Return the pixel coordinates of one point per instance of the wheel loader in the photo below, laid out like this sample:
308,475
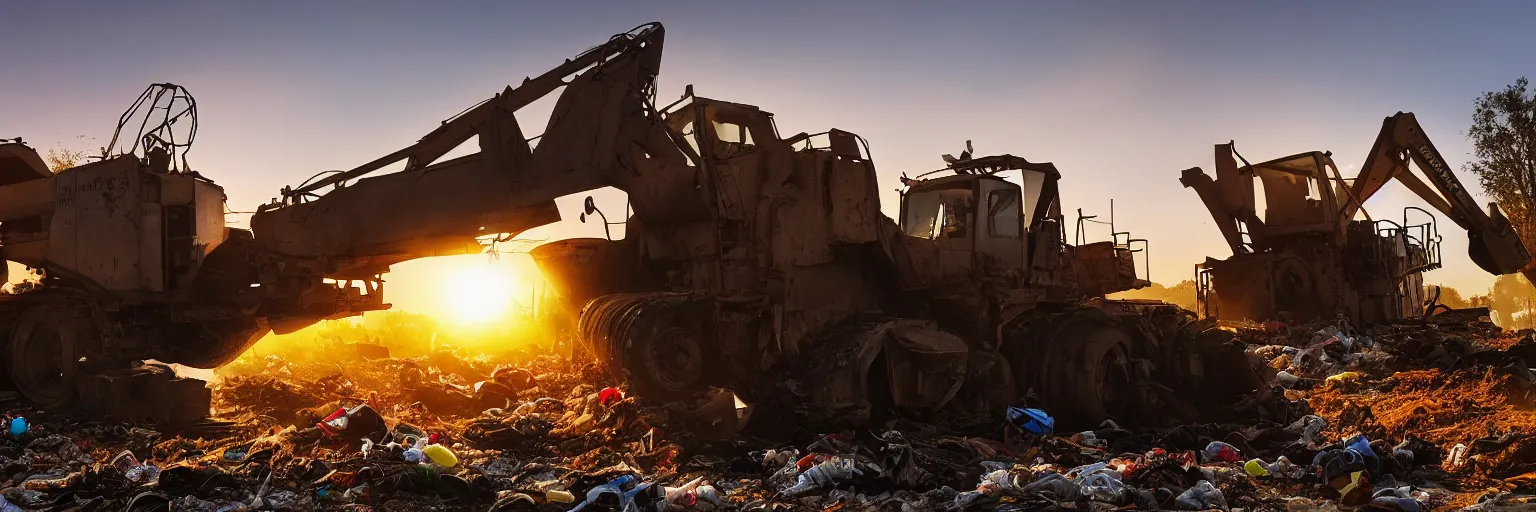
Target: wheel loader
751,260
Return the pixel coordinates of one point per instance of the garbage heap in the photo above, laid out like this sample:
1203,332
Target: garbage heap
1431,416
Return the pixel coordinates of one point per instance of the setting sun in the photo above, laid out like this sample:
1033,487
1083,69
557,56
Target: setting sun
479,292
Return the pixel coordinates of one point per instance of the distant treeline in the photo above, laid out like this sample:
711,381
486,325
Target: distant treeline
1511,300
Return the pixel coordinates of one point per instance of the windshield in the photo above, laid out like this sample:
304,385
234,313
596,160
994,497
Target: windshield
931,213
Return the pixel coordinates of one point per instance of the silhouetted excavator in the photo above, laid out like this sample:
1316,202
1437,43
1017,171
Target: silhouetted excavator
1306,256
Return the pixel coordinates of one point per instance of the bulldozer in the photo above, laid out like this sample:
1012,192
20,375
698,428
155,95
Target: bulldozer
750,260
1306,256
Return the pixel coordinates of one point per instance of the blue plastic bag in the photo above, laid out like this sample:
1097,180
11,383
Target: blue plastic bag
1035,421
1359,444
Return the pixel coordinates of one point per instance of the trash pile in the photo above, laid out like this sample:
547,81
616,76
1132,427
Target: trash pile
1401,418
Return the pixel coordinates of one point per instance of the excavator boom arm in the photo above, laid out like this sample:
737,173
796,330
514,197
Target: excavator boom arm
469,123
602,122
1492,241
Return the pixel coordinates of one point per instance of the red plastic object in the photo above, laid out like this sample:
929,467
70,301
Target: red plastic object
610,396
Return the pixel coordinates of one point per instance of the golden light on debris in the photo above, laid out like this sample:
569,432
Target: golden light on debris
480,292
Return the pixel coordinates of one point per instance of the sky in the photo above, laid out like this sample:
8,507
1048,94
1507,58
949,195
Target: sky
1121,96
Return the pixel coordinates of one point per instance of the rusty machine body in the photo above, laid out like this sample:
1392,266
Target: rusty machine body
751,260
128,248
1308,257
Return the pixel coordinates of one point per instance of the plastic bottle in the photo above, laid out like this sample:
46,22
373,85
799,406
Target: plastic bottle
1283,467
1218,451
704,492
1286,379
559,496
826,474
683,494
1203,496
1309,427
440,455
133,470
1458,455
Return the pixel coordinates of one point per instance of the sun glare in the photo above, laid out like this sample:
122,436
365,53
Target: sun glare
481,292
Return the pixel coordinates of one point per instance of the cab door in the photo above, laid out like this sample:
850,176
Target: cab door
1000,223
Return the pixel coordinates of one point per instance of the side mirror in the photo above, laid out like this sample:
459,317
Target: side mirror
589,206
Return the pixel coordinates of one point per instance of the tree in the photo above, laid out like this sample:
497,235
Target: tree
60,159
1510,301
1181,294
1504,137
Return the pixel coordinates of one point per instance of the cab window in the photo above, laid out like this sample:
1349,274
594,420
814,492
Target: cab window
1003,213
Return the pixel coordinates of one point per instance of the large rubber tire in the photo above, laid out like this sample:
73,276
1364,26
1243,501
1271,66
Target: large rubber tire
667,363
647,340
43,354
1090,379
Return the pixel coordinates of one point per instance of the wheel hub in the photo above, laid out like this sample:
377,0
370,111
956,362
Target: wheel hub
675,359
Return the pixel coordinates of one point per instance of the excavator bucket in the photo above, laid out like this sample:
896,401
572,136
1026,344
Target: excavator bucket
1499,250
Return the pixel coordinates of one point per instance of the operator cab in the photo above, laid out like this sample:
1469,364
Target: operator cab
1297,196
984,214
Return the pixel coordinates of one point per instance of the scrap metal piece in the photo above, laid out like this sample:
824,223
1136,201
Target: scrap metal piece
148,392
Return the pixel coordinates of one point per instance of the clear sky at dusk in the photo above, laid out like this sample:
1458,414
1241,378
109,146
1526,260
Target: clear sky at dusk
1121,96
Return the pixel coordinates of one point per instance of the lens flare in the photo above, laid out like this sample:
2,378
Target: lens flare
479,293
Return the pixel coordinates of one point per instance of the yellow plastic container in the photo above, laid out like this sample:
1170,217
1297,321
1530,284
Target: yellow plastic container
1256,467
440,455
